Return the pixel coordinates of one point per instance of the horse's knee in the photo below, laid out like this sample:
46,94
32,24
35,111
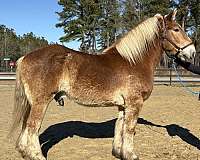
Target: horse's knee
131,117
130,122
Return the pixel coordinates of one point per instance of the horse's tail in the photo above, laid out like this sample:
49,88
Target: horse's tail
21,104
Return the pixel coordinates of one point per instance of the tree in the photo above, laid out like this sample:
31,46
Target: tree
101,22
109,23
79,20
151,7
8,41
28,42
12,45
130,14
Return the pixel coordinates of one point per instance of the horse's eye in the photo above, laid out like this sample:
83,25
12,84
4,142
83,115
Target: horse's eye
176,29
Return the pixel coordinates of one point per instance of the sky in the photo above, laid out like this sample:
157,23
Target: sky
37,16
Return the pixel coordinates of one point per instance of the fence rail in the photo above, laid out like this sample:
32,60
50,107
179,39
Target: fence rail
7,73
162,75
168,75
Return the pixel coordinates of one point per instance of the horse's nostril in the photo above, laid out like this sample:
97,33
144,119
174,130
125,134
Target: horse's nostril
193,54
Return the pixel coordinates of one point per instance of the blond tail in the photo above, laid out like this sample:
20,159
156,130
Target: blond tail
21,105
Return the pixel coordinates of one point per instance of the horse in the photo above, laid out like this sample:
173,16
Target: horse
121,76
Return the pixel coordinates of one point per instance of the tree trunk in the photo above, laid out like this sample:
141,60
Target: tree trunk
108,39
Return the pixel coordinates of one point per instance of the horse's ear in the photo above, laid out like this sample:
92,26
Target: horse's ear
159,16
161,20
171,16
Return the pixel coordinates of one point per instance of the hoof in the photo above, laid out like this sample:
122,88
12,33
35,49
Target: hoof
129,156
116,152
135,157
28,155
34,157
124,156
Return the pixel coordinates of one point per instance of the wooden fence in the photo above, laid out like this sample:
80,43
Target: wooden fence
162,76
168,75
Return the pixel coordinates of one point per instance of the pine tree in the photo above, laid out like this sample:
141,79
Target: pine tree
101,22
130,14
79,20
109,23
14,46
151,7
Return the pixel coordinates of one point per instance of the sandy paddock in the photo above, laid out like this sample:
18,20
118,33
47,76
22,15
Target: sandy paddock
168,129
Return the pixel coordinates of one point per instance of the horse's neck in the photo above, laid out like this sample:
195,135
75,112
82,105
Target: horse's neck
151,60
156,53
148,64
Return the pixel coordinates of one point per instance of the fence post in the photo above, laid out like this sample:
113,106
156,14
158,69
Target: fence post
199,96
170,71
170,76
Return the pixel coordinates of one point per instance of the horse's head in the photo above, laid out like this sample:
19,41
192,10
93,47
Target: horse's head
175,40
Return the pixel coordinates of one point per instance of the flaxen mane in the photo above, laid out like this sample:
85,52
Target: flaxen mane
135,44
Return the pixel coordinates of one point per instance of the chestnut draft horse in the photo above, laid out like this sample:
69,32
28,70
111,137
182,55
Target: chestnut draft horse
121,76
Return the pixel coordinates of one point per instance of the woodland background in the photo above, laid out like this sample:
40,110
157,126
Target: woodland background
96,24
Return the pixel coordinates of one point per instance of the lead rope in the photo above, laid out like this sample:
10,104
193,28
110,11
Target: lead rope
182,83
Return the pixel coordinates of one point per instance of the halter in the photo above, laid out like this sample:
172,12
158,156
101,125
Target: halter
179,49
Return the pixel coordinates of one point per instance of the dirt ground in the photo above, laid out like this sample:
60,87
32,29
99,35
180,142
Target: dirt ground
168,129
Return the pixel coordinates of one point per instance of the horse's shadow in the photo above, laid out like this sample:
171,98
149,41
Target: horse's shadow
57,132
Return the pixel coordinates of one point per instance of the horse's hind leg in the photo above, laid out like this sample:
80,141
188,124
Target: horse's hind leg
117,142
28,143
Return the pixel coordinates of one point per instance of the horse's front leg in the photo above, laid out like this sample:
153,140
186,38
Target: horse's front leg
117,141
130,121
28,143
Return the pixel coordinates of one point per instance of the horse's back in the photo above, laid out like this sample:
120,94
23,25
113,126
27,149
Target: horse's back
47,67
50,57
47,53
